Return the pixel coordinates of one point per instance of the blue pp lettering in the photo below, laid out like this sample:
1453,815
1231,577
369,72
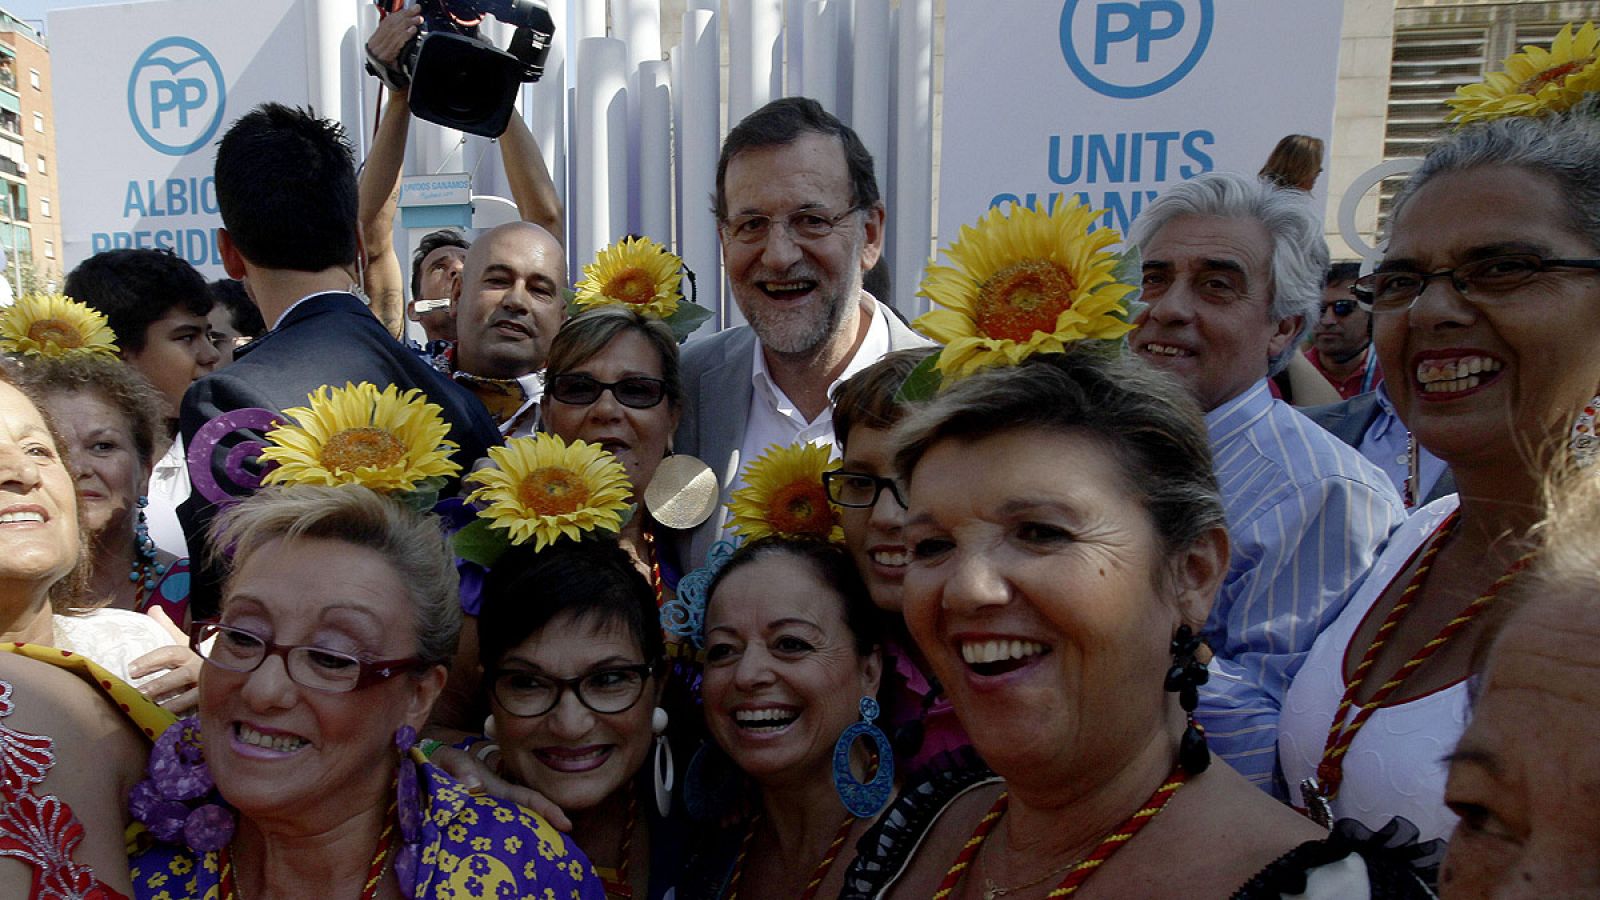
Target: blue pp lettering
1097,48
1138,24
177,96
181,96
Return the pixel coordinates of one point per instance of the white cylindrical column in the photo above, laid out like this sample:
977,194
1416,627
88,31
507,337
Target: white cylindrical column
600,170
588,20
845,16
638,22
697,162
794,21
869,83
331,64
654,189
911,216
755,56
819,64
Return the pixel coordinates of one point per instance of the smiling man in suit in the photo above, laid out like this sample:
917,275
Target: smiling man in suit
800,220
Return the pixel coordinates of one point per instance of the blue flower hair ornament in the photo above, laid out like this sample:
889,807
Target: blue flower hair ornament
684,616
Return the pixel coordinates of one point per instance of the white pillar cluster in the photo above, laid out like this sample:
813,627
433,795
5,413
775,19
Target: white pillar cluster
631,128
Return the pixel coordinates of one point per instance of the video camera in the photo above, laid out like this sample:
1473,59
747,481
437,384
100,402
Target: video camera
456,78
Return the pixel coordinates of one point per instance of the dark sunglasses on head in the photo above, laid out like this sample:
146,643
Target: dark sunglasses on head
1341,308
634,392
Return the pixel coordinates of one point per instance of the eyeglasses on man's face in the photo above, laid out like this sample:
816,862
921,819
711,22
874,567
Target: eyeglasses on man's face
609,690
318,668
802,225
1481,281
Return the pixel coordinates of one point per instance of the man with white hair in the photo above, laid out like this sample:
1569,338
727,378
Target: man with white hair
1233,271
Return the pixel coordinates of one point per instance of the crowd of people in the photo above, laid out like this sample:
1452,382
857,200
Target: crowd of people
1049,592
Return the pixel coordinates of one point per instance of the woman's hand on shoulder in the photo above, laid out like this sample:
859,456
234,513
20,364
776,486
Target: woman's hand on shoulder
478,775
178,690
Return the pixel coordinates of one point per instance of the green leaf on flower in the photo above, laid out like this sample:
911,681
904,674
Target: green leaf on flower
480,543
687,318
923,382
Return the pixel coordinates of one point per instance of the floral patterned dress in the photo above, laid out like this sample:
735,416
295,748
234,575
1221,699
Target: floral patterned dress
473,846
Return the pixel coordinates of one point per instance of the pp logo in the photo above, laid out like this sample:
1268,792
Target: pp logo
1134,48
176,96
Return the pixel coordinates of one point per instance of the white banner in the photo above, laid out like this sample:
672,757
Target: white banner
1111,100
143,92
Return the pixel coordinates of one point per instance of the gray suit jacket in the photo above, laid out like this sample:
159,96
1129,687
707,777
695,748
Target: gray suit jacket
717,391
1349,420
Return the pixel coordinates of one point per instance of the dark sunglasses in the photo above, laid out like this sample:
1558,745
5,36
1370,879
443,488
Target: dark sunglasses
634,392
1341,308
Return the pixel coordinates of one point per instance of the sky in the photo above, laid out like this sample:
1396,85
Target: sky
33,11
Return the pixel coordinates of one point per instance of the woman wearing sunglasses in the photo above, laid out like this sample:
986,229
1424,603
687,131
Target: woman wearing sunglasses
1486,315
612,380
573,660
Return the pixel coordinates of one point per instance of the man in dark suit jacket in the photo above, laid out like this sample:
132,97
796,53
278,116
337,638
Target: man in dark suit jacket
286,187
1367,423
801,221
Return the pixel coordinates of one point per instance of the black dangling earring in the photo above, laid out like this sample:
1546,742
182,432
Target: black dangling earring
1184,679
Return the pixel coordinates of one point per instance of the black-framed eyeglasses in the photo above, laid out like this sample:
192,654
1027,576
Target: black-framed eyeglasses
802,225
859,490
1340,308
613,689
1481,280
318,668
634,392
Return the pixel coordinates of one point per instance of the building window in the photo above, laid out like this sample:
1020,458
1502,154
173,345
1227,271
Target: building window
33,78
41,165
49,249
44,207
38,122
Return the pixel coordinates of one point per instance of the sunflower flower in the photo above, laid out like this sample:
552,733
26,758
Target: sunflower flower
54,325
1024,283
784,495
544,488
384,440
1535,81
636,273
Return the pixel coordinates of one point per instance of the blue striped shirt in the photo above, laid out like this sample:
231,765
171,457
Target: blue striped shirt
1307,516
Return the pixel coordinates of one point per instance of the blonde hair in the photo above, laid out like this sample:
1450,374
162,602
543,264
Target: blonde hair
411,542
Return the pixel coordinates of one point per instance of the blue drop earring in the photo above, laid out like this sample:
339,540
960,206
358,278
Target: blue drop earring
864,800
146,571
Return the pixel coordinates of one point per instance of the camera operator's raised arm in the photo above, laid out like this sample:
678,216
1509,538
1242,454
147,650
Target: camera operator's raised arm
531,186
380,177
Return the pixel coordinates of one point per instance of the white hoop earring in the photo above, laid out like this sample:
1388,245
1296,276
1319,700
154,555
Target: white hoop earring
664,776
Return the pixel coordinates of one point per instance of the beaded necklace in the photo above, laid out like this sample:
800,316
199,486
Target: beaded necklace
229,889
1320,791
1080,870
615,881
817,874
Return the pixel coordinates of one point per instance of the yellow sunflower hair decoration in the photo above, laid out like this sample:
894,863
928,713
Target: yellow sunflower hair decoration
635,272
357,434
1024,282
641,275
1535,81
544,489
784,495
53,326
